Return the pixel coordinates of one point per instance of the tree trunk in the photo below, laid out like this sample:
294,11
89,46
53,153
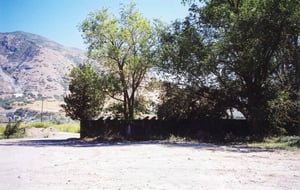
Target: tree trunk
82,129
125,107
131,107
297,62
257,114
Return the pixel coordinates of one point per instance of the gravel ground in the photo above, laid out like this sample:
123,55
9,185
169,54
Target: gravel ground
63,163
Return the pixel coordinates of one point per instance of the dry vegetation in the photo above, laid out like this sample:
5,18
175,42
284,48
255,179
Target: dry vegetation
48,105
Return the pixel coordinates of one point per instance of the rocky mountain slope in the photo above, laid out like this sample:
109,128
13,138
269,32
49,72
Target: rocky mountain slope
33,66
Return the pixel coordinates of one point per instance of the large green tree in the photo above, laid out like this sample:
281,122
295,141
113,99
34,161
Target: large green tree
86,97
124,46
238,52
185,103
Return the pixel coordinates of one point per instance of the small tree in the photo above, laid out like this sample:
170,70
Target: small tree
12,128
125,48
86,98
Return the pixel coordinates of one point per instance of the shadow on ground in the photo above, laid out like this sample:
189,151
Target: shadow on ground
76,142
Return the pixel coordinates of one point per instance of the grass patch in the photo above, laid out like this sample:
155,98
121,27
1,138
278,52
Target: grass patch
282,143
37,125
2,129
11,130
69,127
174,138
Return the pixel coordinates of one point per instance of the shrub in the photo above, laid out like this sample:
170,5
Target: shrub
289,141
281,142
5,104
11,129
284,114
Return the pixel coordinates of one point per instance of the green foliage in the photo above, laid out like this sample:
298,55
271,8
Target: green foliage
116,110
124,47
16,130
5,104
284,114
186,103
154,84
38,125
290,141
11,129
237,52
20,112
176,139
86,97
67,127
282,142
140,108
2,129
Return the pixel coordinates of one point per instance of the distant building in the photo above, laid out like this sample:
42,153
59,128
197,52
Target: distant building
18,95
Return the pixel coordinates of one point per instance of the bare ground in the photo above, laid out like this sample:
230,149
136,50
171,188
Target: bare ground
57,163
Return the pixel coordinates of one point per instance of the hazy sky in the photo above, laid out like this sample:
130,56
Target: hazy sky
58,20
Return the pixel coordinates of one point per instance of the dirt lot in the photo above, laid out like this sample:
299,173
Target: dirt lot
70,164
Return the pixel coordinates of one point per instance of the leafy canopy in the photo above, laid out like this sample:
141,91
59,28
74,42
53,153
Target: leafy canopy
237,51
86,96
124,46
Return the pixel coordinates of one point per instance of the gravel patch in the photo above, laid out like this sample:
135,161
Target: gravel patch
35,132
65,162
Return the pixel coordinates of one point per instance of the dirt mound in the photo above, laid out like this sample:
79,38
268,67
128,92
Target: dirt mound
35,132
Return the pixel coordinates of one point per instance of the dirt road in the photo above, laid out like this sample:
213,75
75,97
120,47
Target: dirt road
69,164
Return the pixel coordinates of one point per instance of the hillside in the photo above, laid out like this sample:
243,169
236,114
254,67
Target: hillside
33,66
33,77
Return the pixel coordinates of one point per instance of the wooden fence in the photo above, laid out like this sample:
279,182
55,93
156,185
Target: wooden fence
146,129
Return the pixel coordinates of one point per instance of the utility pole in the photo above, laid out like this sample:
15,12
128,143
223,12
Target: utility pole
42,109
